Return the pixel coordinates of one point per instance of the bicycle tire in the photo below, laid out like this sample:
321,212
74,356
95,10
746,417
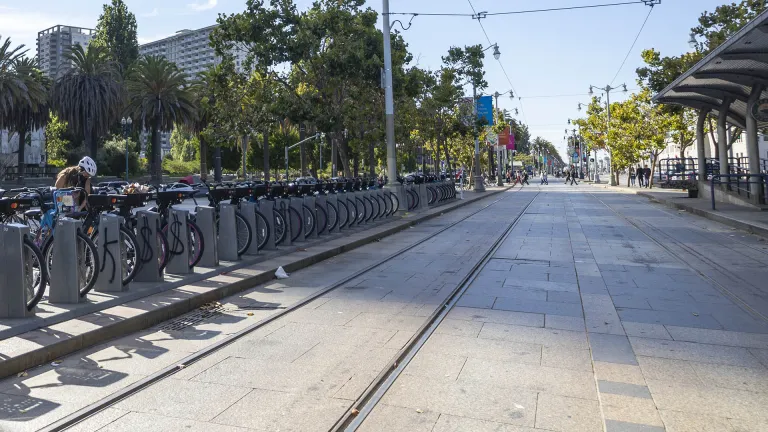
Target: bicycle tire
322,219
310,220
343,222
432,196
352,208
39,281
196,243
129,253
295,221
90,254
262,230
333,217
360,215
244,233
162,247
280,229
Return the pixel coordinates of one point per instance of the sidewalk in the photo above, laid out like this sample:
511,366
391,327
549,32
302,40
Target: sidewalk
743,218
39,340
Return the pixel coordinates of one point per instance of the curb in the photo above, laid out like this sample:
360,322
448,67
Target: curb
162,306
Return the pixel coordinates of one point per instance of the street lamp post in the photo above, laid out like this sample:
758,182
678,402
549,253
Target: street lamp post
126,123
317,135
607,89
500,168
479,186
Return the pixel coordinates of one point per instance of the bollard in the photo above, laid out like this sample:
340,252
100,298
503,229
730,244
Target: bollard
295,203
13,272
150,248
65,278
109,248
248,210
206,220
266,207
423,196
178,242
321,201
310,202
333,200
284,205
227,233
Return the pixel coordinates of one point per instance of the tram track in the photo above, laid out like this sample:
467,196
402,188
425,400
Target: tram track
95,408
692,251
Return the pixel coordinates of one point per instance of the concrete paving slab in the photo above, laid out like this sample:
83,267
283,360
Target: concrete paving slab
694,352
612,349
719,337
436,366
386,321
542,307
98,421
483,348
679,421
619,373
710,400
559,413
653,331
497,316
564,322
620,426
460,327
466,399
450,423
566,357
624,389
155,423
193,400
534,335
397,419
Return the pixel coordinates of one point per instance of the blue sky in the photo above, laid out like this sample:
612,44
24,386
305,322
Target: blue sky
553,53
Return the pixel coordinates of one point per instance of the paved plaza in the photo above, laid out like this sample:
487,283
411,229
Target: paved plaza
599,311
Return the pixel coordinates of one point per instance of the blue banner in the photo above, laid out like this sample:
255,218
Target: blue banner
485,108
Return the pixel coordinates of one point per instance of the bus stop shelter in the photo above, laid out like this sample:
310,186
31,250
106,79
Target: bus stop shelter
731,83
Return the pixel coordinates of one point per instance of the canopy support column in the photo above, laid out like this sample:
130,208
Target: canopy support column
722,136
753,150
700,150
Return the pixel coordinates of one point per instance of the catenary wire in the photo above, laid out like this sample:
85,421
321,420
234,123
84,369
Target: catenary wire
633,45
565,8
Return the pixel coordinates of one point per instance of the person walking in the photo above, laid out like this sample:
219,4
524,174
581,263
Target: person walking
572,174
640,175
632,176
544,178
647,174
525,178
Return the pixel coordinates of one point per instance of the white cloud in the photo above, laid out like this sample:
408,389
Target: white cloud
152,14
203,6
22,27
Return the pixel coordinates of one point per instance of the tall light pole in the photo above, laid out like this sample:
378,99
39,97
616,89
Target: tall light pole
389,104
500,168
126,123
479,186
607,89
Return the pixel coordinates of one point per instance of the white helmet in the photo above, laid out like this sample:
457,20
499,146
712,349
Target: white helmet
88,165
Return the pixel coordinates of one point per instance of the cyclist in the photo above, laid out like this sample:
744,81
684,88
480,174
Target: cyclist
78,177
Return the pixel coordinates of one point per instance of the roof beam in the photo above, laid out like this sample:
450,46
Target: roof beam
743,78
714,91
758,56
703,104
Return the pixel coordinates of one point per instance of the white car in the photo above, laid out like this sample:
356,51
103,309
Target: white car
180,187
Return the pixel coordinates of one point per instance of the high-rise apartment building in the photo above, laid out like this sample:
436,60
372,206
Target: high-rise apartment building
192,53
54,42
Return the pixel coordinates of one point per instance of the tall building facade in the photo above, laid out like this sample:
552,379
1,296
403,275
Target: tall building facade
54,42
192,53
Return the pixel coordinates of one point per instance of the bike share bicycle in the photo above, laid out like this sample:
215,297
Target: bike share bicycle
171,226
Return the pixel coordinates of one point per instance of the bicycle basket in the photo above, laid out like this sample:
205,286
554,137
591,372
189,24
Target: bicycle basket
137,199
243,192
64,200
14,205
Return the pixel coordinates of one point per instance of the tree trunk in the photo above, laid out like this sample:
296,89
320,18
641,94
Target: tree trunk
356,164
217,163
654,156
448,166
245,157
203,159
265,144
343,151
157,159
21,163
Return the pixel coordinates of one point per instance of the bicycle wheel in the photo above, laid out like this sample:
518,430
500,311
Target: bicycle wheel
352,207
37,273
322,219
280,228
295,223
244,233
361,215
309,220
163,250
333,217
343,214
196,244
262,230
432,196
129,253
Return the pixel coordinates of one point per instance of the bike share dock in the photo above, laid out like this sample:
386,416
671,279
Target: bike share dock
58,329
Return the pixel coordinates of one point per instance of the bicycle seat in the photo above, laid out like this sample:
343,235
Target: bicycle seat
33,214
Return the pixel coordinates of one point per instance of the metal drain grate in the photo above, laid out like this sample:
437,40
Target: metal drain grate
206,311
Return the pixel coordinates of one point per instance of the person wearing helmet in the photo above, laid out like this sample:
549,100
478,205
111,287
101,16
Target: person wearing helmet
78,177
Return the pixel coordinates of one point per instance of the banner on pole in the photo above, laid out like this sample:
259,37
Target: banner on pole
485,109
511,144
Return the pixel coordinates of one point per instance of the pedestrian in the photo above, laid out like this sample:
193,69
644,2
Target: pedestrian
572,173
544,178
632,176
525,178
647,173
640,176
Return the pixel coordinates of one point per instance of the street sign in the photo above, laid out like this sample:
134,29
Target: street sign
485,108
491,136
511,145
504,137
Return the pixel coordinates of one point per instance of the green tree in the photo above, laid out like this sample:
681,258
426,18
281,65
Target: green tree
12,87
32,111
57,143
88,96
715,27
116,32
184,147
158,95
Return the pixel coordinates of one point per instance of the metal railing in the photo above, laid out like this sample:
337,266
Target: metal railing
672,170
742,185
11,173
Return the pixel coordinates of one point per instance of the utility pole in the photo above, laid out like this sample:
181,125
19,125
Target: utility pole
607,89
479,186
389,104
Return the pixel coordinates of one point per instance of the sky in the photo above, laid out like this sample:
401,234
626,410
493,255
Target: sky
551,58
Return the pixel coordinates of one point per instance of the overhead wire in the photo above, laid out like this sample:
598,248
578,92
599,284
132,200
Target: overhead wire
484,14
633,44
512,86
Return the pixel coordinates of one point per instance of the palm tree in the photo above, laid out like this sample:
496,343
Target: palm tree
34,112
159,94
205,101
13,90
89,94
